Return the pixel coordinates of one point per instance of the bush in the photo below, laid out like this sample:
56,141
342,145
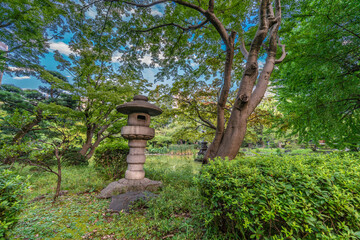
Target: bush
110,159
184,149
273,197
72,157
12,189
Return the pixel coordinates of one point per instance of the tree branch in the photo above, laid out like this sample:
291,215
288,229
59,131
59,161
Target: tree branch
141,5
243,50
265,74
176,25
203,119
211,6
190,5
344,28
283,54
6,24
201,123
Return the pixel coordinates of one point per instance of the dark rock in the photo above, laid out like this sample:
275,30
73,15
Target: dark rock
123,202
125,185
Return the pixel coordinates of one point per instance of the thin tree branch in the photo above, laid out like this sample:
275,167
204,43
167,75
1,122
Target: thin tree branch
141,5
344,28
211,6
190,5
201,123
176,25
283,54
6,24
243,50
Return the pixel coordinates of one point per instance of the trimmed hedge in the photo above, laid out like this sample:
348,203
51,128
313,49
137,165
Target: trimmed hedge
290,197
12,190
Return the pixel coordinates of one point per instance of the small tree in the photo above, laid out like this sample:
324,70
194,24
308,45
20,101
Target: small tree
39,150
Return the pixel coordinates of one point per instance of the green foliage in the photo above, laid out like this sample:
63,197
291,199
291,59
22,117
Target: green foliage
110,159
12,190
288,197
72,157
26,28
318,83
182,149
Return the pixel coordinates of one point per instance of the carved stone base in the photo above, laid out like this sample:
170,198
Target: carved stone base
125,185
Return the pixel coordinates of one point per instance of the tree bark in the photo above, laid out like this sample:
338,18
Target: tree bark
58,185
214,146
93,148
88,142
88,145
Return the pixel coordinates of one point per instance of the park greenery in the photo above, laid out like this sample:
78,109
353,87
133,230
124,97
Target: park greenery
272,86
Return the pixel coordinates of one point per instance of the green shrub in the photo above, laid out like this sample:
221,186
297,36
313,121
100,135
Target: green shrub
290,197
174,149
72,157
110,159
12,189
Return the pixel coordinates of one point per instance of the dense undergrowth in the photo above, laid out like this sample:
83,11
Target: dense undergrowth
274,197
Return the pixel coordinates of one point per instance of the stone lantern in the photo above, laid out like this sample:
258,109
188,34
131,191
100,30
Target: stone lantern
137,132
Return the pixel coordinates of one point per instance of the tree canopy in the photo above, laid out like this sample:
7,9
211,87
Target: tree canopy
318,84
26,28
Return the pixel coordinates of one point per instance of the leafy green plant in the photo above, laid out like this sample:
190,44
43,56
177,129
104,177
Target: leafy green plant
73,158
12,189
273,197
110,159
184,149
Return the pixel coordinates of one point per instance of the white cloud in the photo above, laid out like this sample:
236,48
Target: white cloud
3,46
116,57
20,78
16,69
147,59
91,13
62,47
155,12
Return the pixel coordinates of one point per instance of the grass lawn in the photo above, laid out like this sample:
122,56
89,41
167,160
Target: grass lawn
80,215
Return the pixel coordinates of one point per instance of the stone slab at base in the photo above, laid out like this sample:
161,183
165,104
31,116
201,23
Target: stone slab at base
123,202
125,185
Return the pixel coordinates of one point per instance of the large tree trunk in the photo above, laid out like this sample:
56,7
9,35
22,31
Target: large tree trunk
228,143
233,137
